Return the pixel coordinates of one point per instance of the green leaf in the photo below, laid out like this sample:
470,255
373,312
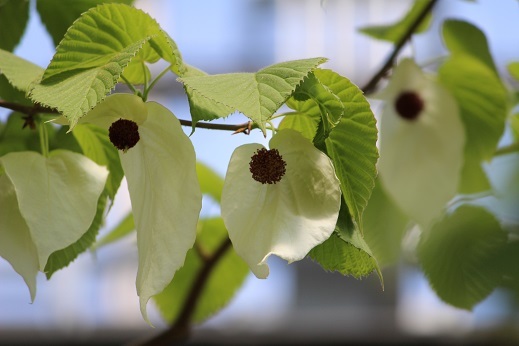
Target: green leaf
92,56
346,251
14,15
62,258
96,145
16,138
330,105
58,18
302,122
11,94
210,182
458,256
471,77
19,72
394,32
224,280
125,227
57,196
513,69
384,226
351,144
256,95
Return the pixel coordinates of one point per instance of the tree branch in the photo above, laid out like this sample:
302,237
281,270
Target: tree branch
180,330
373,82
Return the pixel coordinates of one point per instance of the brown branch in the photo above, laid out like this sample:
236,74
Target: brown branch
180,330
373,82
31,110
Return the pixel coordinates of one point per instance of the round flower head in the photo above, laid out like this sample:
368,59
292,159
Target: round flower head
159,163
421,143
283,201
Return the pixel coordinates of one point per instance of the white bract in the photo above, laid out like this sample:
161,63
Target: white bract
421,143
46,204
287,218
163,185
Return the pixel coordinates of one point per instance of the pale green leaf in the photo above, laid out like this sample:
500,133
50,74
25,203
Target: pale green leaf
384,226
19,72
394,32
224,280
96,145
64,257
14,15
458,256
57,196
123,228
351,144
58,17
11,94
513,69
165,194
210,182
16,245
303,122
256,95
471,77
92,56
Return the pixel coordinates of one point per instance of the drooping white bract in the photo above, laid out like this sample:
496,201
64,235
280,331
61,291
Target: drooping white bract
163,185
287,218
421,143
46,204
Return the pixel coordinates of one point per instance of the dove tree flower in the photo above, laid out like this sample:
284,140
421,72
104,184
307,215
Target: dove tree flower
159,163
283,201
421,143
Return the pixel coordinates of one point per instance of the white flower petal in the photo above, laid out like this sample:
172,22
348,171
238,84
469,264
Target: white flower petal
115,107
421,159
286,219
166,199
57,196
16,245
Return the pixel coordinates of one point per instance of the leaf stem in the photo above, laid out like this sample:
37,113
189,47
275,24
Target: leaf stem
373,82
180,330
509,149
153,82
131,86
44,138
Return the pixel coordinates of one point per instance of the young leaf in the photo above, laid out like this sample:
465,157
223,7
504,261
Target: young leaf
96,145
302,122
92,56
58,18
64,257
257,95
14,15
16,245
19,72
57,196
471,77
351,144
458,256
223,281
394,32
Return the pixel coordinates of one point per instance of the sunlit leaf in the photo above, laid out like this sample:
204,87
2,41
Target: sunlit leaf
256,95
57,18
351,144
458,256
19,72
222,283
302,122
92,56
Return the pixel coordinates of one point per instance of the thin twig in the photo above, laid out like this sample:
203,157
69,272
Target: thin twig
373,82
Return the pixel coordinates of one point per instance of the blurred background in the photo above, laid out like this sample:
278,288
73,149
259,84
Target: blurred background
94,300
